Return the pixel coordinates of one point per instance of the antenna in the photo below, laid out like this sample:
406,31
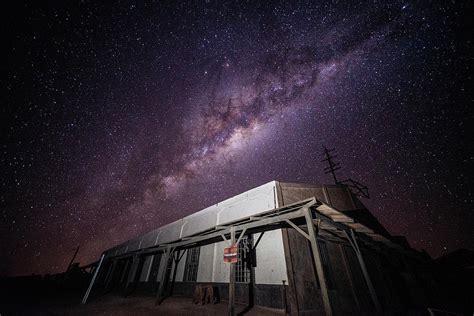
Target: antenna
357,188
333,166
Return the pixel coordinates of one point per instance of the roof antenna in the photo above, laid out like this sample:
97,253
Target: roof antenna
357,188
333,166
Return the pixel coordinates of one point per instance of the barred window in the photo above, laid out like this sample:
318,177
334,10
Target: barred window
242,273
192,263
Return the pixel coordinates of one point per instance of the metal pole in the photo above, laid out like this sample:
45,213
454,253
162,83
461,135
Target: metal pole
232,277
317,261
86,296
353,241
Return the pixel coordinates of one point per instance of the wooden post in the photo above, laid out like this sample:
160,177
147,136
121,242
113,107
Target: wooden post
131,276
168,253
109,275
353,241
136,277
232,277
317,261
176,259
86,296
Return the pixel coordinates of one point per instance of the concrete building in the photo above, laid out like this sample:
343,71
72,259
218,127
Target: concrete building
303,248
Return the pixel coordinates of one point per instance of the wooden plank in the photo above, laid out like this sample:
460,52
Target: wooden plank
360,228
323,208
341,219
89,289
317,261
232,278
292,293
351,237
168,254
260,223
299,230
241,235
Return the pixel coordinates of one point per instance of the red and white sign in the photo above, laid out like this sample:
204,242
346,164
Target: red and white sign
230,254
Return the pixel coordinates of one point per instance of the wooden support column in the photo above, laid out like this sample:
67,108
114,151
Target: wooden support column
110,274
136,277
86,296
167,255
131,276
317,260
232,277
125,271
176,260
353,241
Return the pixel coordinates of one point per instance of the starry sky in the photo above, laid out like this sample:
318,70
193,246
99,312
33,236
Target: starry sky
120,117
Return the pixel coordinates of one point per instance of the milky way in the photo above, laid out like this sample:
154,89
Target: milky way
122,118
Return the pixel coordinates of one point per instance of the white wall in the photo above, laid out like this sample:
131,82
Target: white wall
206,256
254,201
271,264
146,268
271,267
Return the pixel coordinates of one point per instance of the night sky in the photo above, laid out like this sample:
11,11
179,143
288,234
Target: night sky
119,118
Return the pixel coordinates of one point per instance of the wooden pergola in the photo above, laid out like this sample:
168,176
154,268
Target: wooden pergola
311,214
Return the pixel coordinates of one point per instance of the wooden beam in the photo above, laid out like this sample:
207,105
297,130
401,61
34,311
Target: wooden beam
299,230
132,273
341,219
272,217
176,260
353,241
260,223
232,278
168,253
258,240
241,235
111,274
317,261
89,289
225,239
136,277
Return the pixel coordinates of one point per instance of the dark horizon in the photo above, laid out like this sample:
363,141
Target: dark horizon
117,119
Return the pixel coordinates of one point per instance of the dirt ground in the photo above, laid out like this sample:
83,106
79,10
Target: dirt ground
133,305
136,305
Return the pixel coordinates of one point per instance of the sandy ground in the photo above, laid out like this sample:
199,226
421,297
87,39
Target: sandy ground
136,305
133,305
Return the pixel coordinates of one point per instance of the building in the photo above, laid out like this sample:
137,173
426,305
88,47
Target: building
303,248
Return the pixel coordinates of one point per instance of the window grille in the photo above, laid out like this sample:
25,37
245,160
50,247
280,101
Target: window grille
243,265
192,263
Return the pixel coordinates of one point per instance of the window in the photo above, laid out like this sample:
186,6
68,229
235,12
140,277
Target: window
242,273
192,263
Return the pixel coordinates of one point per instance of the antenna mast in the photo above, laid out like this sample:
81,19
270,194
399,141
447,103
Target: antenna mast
356,187
333,166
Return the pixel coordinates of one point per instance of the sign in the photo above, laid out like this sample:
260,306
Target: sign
230,254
